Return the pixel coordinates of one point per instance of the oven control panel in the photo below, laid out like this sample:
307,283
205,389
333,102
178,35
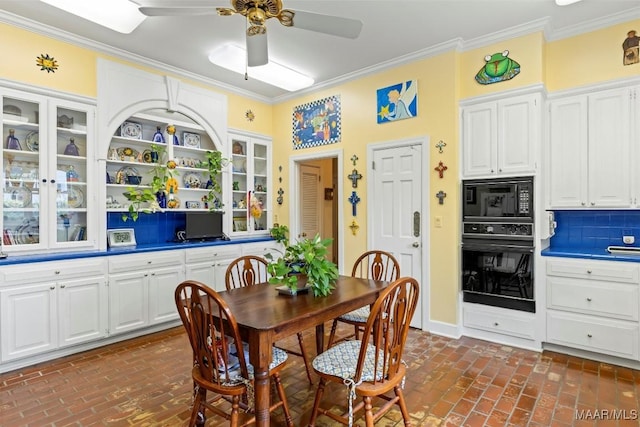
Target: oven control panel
477,229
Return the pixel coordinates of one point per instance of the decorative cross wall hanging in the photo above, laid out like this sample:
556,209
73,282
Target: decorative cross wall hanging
354,199
440,145
354,177
440,169
354,227
280,199
354,158
441,195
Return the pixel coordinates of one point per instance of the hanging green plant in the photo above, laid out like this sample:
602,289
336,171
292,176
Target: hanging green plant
214,164
145,199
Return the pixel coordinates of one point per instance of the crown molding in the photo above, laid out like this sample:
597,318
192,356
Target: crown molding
544,25
432,51
49,31
595,24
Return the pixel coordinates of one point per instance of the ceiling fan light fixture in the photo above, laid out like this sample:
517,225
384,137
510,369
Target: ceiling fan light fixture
122,16
234,58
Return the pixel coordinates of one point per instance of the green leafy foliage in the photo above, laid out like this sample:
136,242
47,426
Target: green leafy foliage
304,257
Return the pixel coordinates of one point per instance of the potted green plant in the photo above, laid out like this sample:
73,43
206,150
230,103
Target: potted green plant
145,199
305,257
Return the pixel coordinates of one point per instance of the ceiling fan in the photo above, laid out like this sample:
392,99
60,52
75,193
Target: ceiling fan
257,12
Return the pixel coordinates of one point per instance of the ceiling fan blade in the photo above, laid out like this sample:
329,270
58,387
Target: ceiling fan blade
257,50
327,24
177,11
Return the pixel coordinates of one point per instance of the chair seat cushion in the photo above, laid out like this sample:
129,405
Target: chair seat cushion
359,315
341,361
278,357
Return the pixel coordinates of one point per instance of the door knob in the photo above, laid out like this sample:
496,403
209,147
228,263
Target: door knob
416,245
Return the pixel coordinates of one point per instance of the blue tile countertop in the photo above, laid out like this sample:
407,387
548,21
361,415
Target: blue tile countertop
588,253
25,259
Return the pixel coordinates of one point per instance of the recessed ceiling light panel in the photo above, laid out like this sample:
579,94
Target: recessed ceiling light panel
234,58
122,16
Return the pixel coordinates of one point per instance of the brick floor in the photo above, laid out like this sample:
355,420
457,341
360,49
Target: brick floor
466,382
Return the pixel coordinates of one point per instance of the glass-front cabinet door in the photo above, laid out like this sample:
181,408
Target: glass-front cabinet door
251,184
45,190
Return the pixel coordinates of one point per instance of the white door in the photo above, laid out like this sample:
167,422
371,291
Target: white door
395,210
309,201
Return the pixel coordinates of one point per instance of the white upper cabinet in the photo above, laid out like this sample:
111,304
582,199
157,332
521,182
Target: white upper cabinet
590,150
501,137
250,183
48,167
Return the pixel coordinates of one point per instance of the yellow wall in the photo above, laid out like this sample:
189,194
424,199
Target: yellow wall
76,74
437,118
589,58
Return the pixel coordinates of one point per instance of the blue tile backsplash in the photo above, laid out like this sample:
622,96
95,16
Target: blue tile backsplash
150,228
594,229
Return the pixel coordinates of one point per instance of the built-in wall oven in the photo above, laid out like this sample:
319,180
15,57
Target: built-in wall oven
498,243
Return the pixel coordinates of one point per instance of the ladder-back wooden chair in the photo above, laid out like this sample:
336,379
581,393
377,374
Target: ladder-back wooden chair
249,270
371,367
376,265
219,364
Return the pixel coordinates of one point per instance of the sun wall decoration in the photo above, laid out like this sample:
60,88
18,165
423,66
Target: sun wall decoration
47,63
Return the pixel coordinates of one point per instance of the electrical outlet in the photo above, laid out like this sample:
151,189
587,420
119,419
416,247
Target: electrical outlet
628,240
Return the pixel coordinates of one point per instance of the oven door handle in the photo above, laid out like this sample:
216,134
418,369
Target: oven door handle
492,246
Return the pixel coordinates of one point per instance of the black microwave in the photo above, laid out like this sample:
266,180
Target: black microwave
498,199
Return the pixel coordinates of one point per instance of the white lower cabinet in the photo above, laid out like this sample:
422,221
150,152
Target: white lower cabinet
209,265
593,306
57,309
500,321
141,289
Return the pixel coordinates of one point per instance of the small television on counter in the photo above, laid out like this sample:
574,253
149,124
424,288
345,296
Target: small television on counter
203,226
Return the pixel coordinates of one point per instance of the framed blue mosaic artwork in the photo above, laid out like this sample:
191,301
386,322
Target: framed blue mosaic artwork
397,102
317,123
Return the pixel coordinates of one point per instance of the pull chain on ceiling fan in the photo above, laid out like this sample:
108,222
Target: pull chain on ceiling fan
257,12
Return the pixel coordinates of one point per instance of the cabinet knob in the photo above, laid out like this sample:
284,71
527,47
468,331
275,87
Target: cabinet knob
44,180
63,286
499,170
56,272
593,203
53,181
496,324
153,274
589,335
146,274
52,287
588,299
588,271
492,171
149,262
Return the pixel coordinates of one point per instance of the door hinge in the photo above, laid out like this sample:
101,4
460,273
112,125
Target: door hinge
373,165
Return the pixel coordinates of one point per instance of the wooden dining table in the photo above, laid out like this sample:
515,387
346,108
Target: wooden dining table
265,316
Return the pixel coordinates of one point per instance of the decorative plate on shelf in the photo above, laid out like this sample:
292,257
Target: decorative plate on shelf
32,141
75,197
128,154
124,172
191,140
17,197
131,130
146,156
191,180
